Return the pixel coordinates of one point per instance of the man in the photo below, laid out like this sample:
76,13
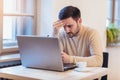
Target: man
78,43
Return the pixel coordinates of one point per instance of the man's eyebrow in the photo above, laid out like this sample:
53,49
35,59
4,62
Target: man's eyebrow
69,25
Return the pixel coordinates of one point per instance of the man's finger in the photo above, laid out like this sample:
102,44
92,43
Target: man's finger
58,24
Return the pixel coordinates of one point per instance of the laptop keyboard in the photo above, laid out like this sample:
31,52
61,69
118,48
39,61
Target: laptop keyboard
69,66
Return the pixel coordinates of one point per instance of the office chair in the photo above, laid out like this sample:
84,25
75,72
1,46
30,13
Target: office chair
105,63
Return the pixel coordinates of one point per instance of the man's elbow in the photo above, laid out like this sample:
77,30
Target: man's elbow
99,61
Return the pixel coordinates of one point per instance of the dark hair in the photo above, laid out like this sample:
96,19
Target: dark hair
69,11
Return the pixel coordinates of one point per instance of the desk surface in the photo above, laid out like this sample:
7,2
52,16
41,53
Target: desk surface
22,73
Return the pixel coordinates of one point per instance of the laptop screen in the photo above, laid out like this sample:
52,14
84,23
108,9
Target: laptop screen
40,52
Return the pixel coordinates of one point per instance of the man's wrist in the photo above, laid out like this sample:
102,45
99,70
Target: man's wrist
71,59
55,32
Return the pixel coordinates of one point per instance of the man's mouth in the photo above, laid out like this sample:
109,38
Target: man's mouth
70,34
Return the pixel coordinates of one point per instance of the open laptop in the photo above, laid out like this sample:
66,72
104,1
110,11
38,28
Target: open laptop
41,52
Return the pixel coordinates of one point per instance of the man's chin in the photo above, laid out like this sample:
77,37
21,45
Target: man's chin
70,35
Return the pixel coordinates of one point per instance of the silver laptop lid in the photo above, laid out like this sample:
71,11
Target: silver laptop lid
40,52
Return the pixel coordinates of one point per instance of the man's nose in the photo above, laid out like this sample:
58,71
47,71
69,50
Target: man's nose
67,30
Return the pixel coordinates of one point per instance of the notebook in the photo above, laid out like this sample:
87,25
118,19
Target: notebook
42,53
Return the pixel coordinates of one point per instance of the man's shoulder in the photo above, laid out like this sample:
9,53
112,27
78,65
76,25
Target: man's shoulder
89,29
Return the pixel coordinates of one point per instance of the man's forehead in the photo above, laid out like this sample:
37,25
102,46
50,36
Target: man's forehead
68,21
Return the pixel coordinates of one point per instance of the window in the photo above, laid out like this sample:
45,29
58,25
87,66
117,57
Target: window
113,12
17,17
113,30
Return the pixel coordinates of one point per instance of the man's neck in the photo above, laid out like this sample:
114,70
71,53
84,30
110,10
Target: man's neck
78,30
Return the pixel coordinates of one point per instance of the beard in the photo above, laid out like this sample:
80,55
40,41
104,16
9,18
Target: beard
72,34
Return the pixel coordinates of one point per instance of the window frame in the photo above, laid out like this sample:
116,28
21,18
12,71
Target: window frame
113,19
113,11
34,15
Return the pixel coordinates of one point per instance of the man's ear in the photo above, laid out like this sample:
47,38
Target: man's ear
80,20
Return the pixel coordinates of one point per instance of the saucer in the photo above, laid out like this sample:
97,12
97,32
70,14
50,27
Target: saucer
82,69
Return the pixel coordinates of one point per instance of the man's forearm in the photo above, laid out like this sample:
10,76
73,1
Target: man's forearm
92,61
55,32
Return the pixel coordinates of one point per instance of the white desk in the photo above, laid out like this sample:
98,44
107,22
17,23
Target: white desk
22,73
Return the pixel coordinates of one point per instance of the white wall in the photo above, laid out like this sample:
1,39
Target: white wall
93,12
114,64
44,17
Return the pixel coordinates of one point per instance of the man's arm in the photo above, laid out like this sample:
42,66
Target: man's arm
96,58
56,27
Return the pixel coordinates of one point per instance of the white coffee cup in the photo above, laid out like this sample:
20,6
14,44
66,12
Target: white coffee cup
81,64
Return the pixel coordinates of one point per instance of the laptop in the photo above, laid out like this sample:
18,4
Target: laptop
41,53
